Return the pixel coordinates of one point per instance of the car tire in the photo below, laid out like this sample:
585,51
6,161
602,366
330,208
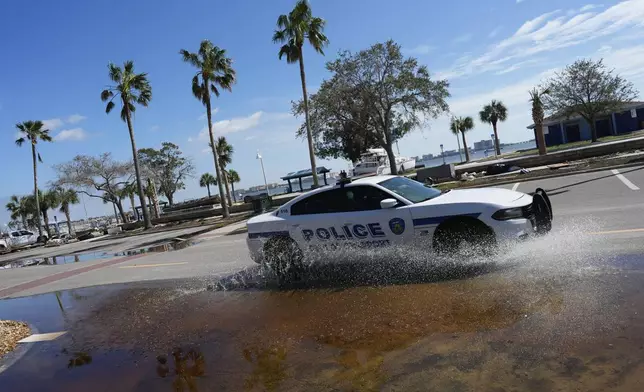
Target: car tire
542,212
284,257
469,236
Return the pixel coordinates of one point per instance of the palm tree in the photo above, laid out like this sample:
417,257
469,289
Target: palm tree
215,72
206,180
129,190
462,125
492,113
33,131
292,30
19,209
537,118
131,88
67,198
233,177
225,152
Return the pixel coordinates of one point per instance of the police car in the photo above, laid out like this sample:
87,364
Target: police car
383,211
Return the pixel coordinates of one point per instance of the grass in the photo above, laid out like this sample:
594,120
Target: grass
562,147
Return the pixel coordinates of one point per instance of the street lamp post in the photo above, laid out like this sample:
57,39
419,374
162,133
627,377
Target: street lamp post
261,161
443,154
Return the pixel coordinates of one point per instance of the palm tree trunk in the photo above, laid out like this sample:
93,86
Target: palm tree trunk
132,203
467,152
460,154
309,134
230,199
541,140
139,185
496,140
232,185
33,156
224,206
70,230
208,186
45,217
119,205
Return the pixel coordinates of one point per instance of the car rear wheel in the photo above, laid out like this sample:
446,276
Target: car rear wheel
284,257
464,237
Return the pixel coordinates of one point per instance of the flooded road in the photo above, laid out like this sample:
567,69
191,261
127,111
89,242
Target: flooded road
495,326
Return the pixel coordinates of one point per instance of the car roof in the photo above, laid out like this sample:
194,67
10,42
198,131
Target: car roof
371,180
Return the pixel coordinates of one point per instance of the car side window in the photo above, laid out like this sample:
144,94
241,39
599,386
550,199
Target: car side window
320,203
349,199
361,198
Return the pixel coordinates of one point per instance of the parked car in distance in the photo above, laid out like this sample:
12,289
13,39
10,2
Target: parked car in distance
23,238
5,245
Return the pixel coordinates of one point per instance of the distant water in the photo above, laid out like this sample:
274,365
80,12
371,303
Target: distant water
477,154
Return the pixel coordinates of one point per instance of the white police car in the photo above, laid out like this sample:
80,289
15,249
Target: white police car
389,210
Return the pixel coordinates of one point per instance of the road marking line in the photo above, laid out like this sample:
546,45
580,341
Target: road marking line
625,180
617,231
515,186
152,265
42,337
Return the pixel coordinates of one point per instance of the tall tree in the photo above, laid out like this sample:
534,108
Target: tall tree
33,131
588,89
292,31
48,200
396,93
132,88
169,168
214,72
96,177
233,177
462,125
341,124
536,98
492,113
225,152
67,197
206,180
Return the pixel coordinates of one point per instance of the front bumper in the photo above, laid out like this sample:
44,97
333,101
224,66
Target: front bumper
514,229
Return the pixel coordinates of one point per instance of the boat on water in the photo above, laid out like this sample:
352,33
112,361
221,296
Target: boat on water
375,161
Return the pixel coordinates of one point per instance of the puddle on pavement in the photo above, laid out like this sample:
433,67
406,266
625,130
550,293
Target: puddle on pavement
470,329
92,256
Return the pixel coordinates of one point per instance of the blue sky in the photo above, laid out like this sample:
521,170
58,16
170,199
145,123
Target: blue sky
497,49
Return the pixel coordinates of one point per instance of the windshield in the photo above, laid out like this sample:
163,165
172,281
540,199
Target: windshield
411,190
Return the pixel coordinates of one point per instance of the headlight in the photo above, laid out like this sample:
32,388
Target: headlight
510,213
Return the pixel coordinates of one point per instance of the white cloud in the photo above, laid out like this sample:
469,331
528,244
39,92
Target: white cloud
190,139
495,32
462,38
247,138
552,31
236,124
520,1
53,123
154,128
590,7
212,114
75,118
75,134
419,50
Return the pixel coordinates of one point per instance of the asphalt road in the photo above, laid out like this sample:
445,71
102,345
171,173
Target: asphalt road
602,208
560,312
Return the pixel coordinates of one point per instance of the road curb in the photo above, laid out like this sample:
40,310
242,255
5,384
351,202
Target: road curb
554,175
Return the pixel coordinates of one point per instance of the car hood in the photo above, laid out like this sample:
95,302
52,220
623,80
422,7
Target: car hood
490,196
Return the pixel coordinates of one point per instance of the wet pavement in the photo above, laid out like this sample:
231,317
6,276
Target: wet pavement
517,322
165,246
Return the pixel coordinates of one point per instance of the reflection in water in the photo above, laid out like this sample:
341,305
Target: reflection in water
187,366
269,367
79,359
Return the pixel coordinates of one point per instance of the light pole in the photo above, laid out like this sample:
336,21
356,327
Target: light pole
443,154
261,161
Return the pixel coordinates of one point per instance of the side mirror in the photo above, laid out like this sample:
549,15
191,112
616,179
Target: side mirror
388,203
